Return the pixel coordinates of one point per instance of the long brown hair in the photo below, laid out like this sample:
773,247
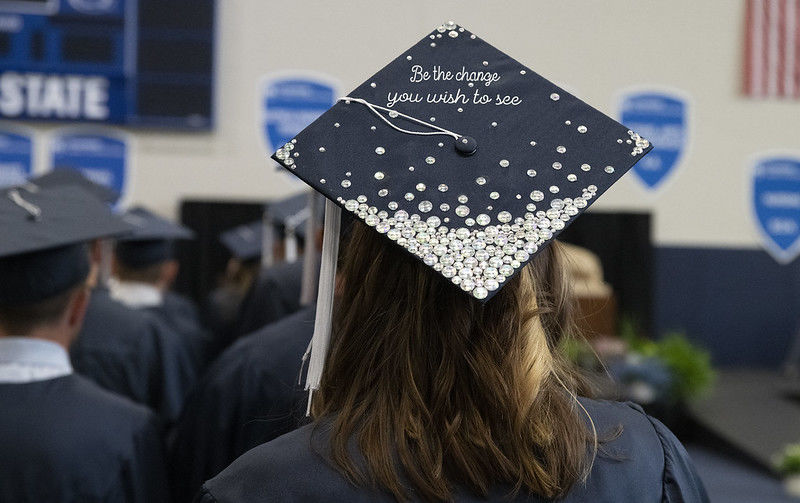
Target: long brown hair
441,391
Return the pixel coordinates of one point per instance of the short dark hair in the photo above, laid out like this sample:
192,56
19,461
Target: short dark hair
23,319
146,274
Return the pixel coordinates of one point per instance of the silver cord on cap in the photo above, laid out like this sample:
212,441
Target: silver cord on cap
34,211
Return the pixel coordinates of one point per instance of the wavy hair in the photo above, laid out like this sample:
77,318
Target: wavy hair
442,392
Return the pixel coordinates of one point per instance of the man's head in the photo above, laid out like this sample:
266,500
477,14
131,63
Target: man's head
150,262
45,293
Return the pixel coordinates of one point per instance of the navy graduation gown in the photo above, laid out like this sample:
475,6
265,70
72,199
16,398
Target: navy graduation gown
249,395
135,354
644,464
67,440
182,316
274,295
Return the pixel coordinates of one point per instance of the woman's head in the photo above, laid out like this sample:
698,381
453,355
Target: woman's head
441,390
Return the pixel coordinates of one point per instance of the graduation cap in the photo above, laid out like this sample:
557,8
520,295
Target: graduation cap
151,240
43,252
61,177
462,156
244,241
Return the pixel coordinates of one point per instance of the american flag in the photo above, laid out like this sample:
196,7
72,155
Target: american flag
772,49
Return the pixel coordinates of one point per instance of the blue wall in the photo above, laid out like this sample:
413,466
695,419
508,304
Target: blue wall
740,304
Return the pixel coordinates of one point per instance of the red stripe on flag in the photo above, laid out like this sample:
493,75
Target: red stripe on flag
748,49
765,56
781,66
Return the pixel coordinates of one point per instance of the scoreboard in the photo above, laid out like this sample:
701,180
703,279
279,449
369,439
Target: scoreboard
145,63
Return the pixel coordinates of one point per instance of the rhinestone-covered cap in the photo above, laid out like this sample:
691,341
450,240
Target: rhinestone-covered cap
474,216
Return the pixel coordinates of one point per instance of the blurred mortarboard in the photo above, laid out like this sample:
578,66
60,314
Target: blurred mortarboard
45,231
61,177
244,241
461,155
151,240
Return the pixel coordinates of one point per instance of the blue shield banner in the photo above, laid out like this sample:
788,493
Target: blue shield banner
15,158
102,158
662,118
290,102
776,204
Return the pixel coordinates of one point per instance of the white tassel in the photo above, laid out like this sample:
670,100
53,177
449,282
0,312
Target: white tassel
327,282
267,240
290,245
309,279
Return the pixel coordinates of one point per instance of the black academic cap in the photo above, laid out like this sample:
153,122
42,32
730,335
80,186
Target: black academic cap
151,240
291,213
464,157
43,250
61,177
244,242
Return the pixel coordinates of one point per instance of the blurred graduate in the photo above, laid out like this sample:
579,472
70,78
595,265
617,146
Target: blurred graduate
64,438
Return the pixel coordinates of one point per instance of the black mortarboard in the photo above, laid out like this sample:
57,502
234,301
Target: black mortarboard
291,214
464,157
244,241
61,177
151,240
43,251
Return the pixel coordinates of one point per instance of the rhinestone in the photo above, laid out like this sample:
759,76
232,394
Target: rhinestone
467,284
408,58
504,163
491,284
567,122
453,34
450,25
393,114
531,172
433,221
561,149
351,205
433,44
378,175
582,129
485,63
494,124
440,29
585,167
537,195
372,128
362,199
504,216
296,154
322,149
411,168
522,72
556,165
609,169
558,224
345,183
409,196
553,189
462,211
444,207
557,204
580,202
383,227
460,109
289,146
430,160
506,270
288,162
480,293
348,173
533,144
401,216
383,192
322,180
531,207
490,272
380,150
473,36
393,234
554,96
372,220
392,205
480,180
572,177
463,199
494,195
425,206
592,188
373,85
421,187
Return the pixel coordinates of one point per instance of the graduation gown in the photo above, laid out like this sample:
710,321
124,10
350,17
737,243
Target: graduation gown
183,317
67,440
249,395
644,464
135,354
274,295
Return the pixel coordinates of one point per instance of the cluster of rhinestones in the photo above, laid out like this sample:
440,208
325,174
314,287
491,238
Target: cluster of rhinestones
476,260
284,154
639,143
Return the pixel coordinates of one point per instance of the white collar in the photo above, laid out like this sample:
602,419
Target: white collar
135,294
27,359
